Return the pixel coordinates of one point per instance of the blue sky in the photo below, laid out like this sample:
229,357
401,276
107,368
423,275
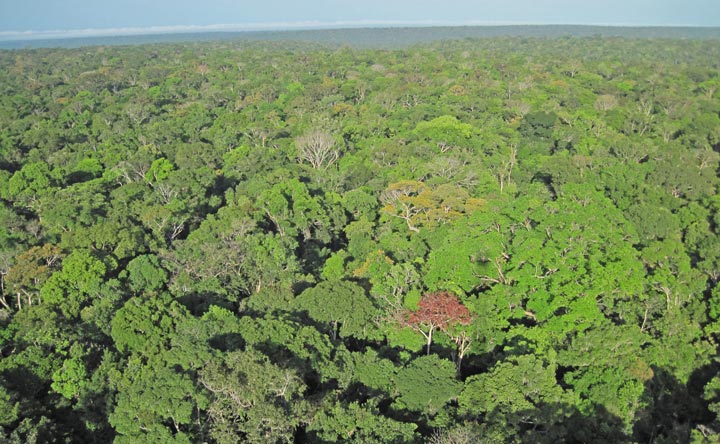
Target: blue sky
45,15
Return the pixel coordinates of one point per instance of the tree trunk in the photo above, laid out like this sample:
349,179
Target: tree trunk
429,340
463,345
334,330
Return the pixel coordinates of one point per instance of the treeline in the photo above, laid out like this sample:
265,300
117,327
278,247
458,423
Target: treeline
380,38
502,240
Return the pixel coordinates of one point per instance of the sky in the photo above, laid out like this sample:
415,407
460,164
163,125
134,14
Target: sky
88,17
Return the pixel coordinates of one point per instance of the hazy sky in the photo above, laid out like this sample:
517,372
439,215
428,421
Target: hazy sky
43,15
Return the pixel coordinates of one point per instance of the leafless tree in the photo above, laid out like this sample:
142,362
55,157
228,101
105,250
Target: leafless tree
318,149
605,102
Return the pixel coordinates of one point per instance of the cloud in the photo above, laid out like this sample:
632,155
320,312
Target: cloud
180,29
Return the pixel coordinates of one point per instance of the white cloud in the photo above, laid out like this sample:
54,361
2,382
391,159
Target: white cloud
269,26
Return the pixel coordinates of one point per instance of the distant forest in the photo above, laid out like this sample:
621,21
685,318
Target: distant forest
478,240
378,38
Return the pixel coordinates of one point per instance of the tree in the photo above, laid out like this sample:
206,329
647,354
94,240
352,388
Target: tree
8,408
292,210
31,270
71,288
144,325
342,304
357,423
146,274
28,186
317,148
71,379
436,311
418,204
609,369
426,384
252,399
446,131
227,253
512,392
400,200
538,125
155,403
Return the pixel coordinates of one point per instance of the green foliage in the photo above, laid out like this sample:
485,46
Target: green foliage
28,185
151,395
513,392
8,408
374,372
146,274
355,423
159,170
620,387
252,398
426,384
359,203
229,241
289,206
446,131
70,288
538,125
334,268
68,380
144,324
87,169
342,304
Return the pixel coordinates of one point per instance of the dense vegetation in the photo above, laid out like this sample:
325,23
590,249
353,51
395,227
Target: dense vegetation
374,38
501,240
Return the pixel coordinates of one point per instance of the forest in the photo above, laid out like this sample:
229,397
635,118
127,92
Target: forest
485,240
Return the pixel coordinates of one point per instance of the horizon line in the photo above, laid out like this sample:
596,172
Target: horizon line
295,26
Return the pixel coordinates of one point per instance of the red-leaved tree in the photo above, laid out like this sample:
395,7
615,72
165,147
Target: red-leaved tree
440,310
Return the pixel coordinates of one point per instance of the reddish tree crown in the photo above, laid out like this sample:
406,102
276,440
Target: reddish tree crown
440,309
